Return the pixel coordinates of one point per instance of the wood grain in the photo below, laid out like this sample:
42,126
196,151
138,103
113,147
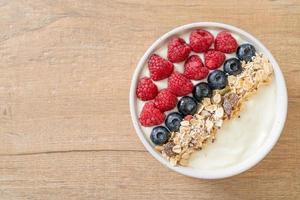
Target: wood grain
65,127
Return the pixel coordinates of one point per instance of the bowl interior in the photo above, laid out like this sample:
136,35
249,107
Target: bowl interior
281,108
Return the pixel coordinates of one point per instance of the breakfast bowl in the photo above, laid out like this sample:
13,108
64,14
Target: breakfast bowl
240,144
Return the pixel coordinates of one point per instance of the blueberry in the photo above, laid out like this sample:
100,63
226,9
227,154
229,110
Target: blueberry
245,52
159,135
201,90
173,121
187,105
233,66
217,80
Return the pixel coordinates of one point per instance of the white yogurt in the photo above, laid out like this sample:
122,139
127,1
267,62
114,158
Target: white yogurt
238,138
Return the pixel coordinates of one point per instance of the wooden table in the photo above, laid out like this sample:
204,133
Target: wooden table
65,126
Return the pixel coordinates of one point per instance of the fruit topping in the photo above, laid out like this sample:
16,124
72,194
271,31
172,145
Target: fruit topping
187,105
201,40
232,66
178,50
179,85
159,135
245,52
195,124
173,121
214,59
150,115
217,80
159,68
201,90
225,42
146,89
230,99
194,68
165,100
168,149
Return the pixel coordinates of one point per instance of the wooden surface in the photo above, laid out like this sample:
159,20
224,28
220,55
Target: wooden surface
65,127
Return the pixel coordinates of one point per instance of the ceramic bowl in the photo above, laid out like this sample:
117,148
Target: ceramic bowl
270,141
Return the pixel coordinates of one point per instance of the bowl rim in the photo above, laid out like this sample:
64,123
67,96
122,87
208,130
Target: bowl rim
252,160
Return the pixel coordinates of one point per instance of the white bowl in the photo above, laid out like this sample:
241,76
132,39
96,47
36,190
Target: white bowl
270,141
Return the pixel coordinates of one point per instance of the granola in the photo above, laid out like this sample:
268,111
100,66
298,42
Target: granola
224,104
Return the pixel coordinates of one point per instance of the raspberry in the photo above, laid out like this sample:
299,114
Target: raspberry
178,50
165,100
214,59
151,116
225,42
146,89
201,40
179,85
159,68
194,68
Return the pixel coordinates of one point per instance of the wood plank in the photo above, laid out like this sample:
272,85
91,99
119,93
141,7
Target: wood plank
61,87
131,175
65,71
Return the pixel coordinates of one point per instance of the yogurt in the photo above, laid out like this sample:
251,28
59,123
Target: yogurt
238,138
